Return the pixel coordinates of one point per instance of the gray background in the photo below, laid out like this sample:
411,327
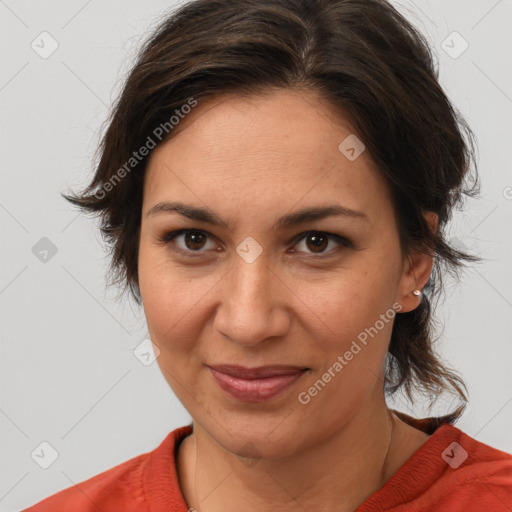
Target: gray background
68,375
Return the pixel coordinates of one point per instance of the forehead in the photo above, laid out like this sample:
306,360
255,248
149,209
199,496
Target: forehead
277,146
276,121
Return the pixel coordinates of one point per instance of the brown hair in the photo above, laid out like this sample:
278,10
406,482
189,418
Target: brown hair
370,64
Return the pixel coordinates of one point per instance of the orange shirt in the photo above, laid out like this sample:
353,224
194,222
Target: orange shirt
450,472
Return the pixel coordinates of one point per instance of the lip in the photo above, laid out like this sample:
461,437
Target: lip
255,384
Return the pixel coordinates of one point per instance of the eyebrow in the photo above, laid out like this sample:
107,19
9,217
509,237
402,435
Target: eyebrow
286,221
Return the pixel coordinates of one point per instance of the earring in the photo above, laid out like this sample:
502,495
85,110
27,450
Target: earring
417,292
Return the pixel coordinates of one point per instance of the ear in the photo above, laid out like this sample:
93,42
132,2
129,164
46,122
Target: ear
416,272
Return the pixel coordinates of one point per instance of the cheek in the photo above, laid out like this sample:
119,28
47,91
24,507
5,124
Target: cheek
163,293
175,301
161,284
354,350
346,303
169,311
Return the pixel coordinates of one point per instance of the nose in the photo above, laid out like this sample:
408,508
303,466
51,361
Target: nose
253,304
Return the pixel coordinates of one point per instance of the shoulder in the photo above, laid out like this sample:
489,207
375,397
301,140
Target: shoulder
452,471
474,473
123,487
460,472
103,491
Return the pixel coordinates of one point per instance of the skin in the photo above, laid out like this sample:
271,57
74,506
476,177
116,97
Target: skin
251,160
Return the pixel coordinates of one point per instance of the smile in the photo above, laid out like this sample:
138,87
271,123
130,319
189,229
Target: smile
255,385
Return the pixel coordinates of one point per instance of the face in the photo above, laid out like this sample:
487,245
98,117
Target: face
253,290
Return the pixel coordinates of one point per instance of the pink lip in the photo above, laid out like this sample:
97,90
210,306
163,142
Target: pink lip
255,384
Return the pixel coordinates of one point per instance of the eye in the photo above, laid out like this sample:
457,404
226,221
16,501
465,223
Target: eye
318,241
190,241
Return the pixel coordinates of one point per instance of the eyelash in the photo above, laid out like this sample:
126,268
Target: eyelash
167,238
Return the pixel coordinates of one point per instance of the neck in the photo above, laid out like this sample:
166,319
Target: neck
338,472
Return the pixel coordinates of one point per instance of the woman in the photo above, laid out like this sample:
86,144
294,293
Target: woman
274,185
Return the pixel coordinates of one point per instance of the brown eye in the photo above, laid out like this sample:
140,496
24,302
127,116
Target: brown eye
316,242
194,240
188,240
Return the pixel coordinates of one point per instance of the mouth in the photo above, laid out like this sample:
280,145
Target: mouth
256,384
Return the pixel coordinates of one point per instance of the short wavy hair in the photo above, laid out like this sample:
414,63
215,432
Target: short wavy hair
371,65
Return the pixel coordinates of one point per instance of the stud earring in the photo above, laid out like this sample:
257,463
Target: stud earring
417,292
